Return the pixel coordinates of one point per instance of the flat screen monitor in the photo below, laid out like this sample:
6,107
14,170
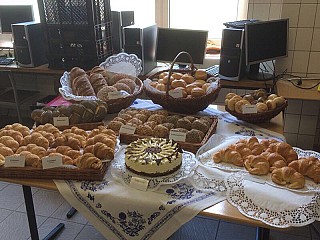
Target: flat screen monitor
171,41
10,14
265,41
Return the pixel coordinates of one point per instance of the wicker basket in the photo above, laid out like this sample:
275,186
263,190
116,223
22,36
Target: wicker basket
181,105
258,117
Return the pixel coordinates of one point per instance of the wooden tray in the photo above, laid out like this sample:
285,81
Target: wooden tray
192,147
55,173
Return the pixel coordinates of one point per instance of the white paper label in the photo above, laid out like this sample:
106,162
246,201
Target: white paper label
60,121
139,183
128,129
249,109
257,179
177,136
51,162
15,161
116,94
176,93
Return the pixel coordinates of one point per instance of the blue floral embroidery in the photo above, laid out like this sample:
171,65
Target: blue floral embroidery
153,217
246,132
93,186
180,191
131,222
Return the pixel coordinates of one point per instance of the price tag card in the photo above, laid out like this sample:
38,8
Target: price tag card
139,183
128,129
176,93
60,121
15,161
249,109
116,94
257,179
177,136
51,162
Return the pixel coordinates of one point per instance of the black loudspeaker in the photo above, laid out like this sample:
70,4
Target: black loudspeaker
29,48
141,41
119,21
232,57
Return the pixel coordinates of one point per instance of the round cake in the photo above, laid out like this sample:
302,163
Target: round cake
153,157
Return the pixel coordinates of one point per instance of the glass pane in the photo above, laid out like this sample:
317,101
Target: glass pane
203,15
144,10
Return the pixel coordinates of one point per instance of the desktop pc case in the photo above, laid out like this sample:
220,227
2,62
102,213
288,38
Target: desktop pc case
232,57
120,19
29,48
141,41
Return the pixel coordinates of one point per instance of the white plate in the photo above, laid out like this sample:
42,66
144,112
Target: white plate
189,164
123,63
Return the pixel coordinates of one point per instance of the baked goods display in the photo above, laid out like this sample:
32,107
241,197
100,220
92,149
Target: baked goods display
270,156
257,106
76,147
160,123
86,111
153,157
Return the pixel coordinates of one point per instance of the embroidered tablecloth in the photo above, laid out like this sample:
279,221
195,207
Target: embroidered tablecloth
119,211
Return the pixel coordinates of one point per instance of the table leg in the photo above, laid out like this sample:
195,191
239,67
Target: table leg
262,233
32,217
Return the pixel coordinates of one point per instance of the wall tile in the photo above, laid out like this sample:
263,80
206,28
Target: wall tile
294,106
300,61
261,11
291,123
277,1
305,142
308,125
291,1
261,1
291,138
317,21
284,64
292,38
309,1
275,11
250,11
291,11
307,15
303,39
310,108
314,62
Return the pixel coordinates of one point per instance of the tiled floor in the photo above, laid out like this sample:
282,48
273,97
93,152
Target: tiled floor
51,209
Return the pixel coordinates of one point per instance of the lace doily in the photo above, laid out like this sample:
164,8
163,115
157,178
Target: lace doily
123,63
274,206
189,163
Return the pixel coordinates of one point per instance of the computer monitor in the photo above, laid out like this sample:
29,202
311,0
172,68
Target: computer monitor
171,41
265,41
10,14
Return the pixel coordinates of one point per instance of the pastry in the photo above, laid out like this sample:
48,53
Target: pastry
64,140
130,83
257,165
261,107
97,81
158,118
239,105
288,176
66,160
33,148
18,127
32,160
118,76
184,123
160,131
36,138
12,133
153,156
115,126
201,74
275,160
88,160
197,92
103,92
9,142
228,156
122,86
194,136
308,166
82,86
5,151
144,130
100,150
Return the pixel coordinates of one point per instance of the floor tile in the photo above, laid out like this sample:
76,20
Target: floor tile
228,231
89,233
298,231
3,185
45,202
16,226
70,231
11,197
4,213
276,235
199,226
61,213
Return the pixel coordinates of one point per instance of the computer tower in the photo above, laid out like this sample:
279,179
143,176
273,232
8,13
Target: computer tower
28,43
232,56
141,41
120,19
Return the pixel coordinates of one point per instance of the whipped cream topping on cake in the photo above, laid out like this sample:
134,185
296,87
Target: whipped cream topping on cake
153,156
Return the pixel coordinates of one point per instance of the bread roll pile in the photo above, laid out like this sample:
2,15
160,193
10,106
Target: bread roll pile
159,123
99,82
278,158
190,85
76,146
264,101
83,112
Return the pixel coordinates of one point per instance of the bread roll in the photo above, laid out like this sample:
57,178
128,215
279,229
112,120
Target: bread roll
178,83
201,74
239,104
261,107
188,78
197,92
